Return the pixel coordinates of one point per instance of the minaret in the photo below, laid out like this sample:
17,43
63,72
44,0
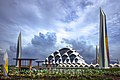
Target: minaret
5,66
19,48
103,42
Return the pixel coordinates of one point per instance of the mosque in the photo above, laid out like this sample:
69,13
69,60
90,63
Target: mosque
65,56
68,57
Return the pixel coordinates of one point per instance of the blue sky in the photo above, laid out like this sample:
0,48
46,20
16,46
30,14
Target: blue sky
48,25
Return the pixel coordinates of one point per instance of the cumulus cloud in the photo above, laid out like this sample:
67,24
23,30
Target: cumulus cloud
85,50
41,45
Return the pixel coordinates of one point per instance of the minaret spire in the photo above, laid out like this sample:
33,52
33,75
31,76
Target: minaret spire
19,48
103,41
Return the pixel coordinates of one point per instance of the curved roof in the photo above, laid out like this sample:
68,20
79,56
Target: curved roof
65,55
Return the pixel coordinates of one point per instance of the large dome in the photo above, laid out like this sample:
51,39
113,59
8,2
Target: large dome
65,55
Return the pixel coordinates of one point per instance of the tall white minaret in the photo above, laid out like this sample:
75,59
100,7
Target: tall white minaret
5,66
103,42
19,48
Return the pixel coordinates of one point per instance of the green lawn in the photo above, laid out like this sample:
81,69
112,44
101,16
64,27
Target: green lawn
64,74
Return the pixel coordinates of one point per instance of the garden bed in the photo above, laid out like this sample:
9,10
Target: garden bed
63,74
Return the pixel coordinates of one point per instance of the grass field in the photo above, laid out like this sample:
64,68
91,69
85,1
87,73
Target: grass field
63,74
